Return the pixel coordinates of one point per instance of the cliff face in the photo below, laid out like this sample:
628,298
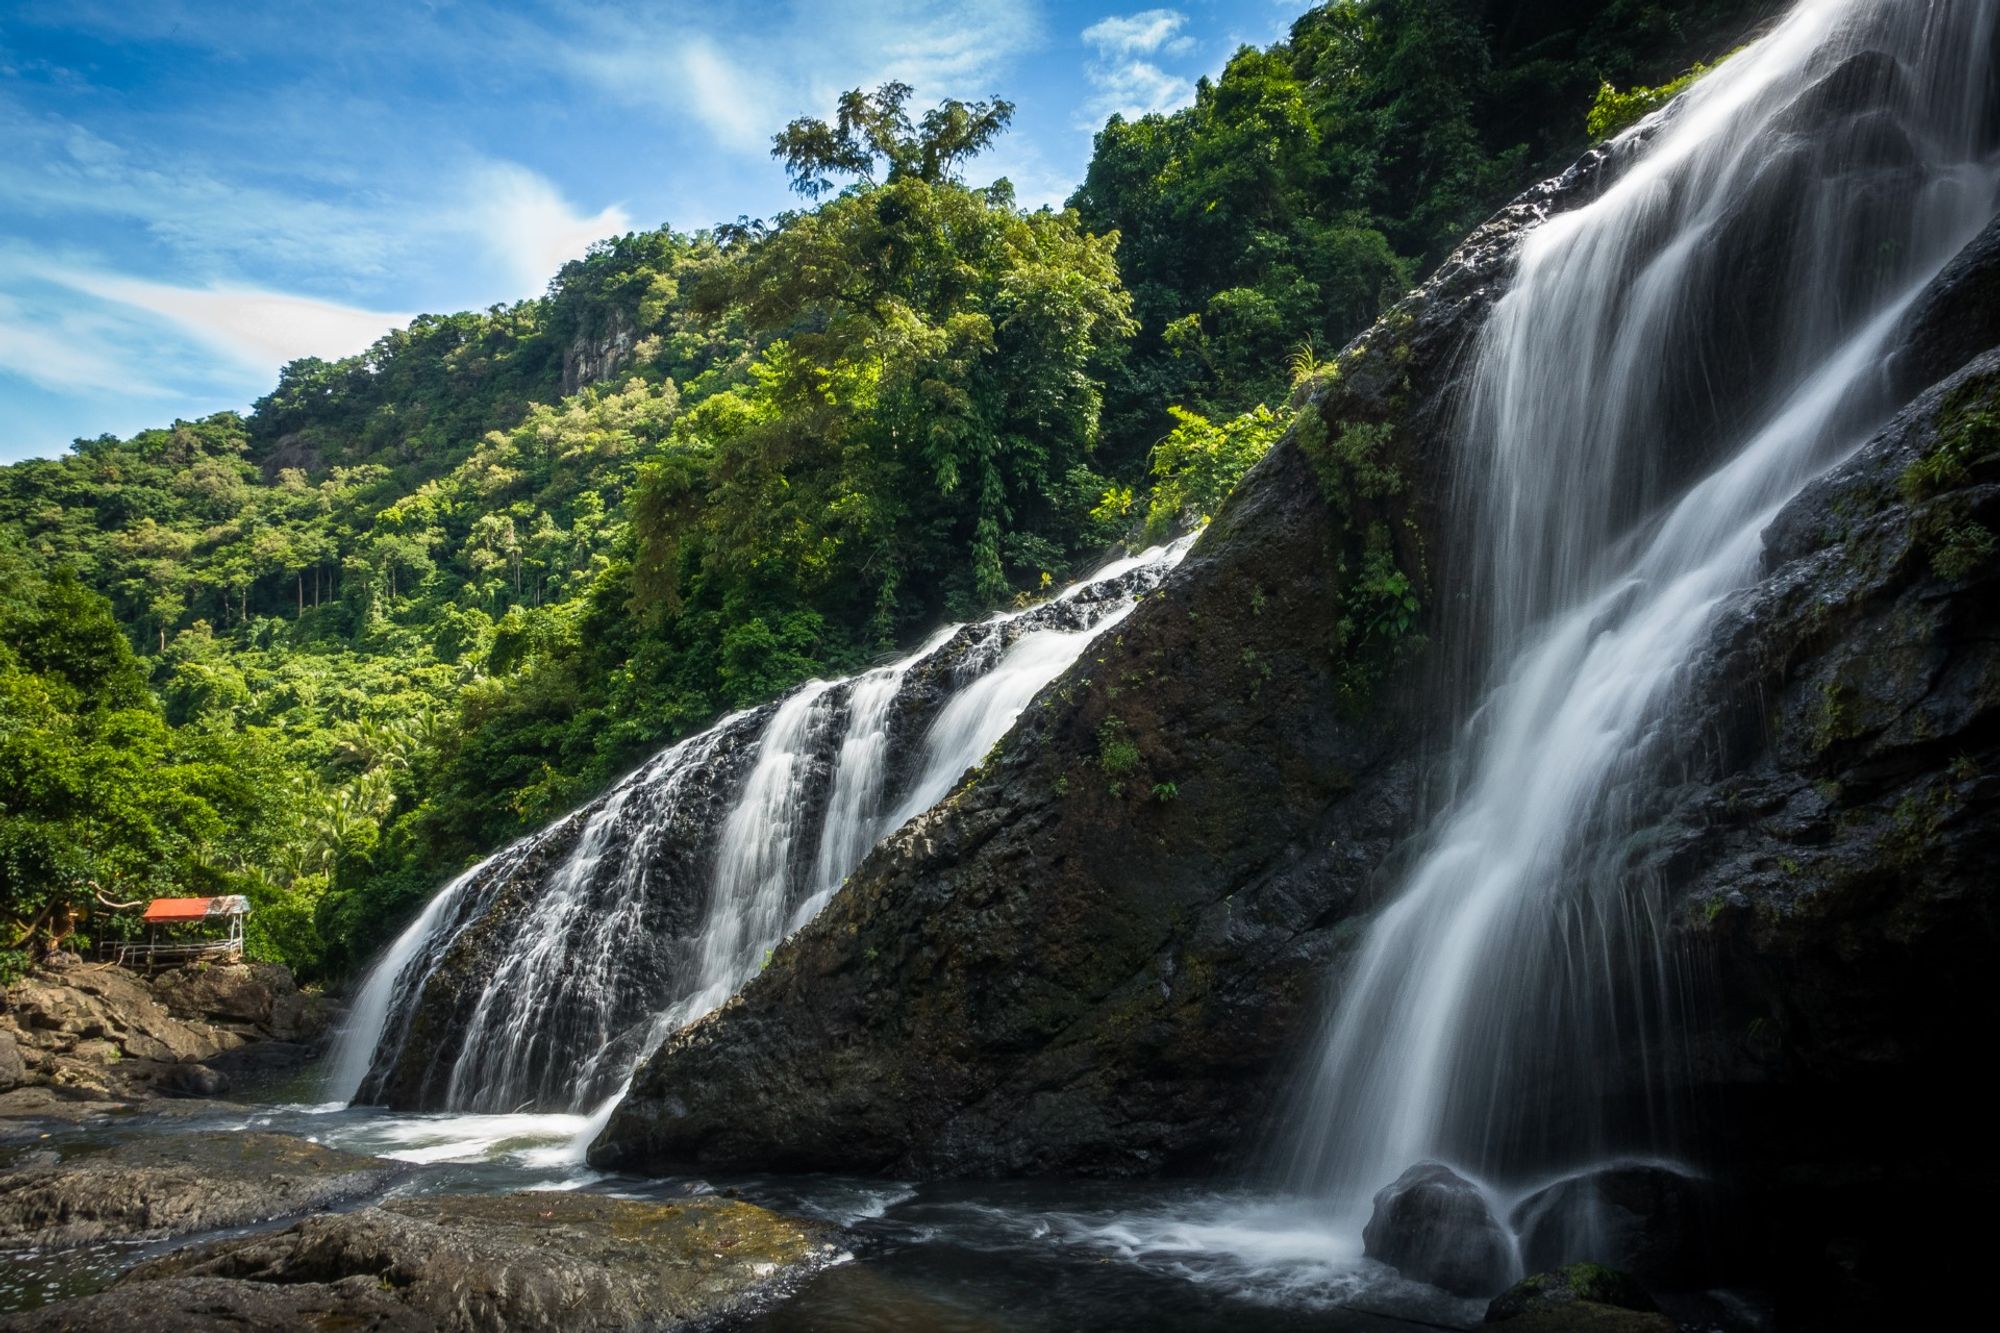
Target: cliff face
1833,849
1100,953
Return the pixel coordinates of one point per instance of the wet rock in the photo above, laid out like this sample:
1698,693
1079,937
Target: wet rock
216,1305
154,1188
24,1110
1587,1298
1650,1221
192,1080
661,836
1433,1225
564,1263
1831,856
1955,319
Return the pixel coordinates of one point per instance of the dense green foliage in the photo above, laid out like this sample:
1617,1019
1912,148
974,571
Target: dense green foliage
1313,181
421,599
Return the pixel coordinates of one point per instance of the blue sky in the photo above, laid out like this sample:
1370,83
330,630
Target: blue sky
193,193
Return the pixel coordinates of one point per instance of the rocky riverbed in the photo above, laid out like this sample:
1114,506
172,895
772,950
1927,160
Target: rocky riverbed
271,1231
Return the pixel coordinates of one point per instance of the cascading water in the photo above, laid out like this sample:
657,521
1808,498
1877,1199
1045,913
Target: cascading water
541,977
1670,363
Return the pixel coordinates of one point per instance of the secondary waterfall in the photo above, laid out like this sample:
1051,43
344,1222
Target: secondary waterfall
1670,363
542,975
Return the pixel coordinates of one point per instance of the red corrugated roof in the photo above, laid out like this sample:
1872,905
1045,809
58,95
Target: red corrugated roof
178,909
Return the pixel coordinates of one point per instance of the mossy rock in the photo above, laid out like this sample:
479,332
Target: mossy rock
1580,1296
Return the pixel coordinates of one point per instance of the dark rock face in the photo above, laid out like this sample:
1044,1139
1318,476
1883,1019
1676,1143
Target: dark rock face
1433,1225
1579,1297
1833,854
560,1263
1650,1221
1094,955
161,1187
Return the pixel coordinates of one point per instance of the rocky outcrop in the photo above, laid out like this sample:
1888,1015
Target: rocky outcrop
527,1263
1096,953
598,354
156,1188
1433,1225
98,1032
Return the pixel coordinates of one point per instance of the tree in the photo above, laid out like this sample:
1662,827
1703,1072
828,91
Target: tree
871,128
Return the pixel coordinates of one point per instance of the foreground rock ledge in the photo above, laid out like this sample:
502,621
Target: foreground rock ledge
157,1188
578,1263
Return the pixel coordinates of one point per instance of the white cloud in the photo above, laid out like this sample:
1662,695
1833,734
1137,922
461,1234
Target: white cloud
744,81
689,75
259,329
1127,79
1133,89
1153,30
527,225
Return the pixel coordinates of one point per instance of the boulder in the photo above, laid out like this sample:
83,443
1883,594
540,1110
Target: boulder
262,995
155,1188
13,1069
1585,1298
192,1080
526,1263
1651,1221
1433,1225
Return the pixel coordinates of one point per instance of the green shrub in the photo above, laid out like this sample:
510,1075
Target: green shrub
1116,753
1199,463
1963,550
1615,111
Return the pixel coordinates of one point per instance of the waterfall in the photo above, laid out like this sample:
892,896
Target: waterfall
543,975
1669,364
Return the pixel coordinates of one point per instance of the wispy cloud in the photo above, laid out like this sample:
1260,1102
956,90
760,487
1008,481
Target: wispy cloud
528,226
1126,81
261,330
1153,30
55,168
743,81
64,349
